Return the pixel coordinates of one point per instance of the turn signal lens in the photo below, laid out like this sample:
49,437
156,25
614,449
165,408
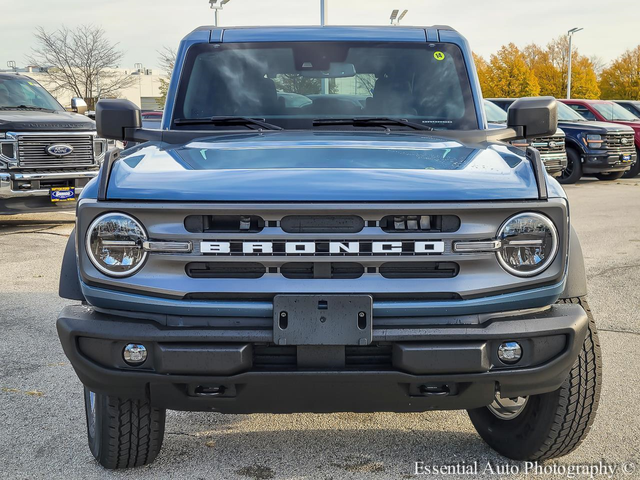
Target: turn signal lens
529,243
115,244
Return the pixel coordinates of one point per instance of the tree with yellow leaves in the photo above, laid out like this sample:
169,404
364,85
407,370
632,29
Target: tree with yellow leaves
482,67
621,80
509,75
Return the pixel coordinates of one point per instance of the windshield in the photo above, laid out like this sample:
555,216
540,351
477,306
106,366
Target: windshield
494,113
568,114
24,92
293,84
614,112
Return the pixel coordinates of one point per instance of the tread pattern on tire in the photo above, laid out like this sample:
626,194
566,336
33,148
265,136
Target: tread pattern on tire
579,396
134,435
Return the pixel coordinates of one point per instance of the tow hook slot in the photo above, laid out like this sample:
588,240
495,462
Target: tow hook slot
435,390
209,390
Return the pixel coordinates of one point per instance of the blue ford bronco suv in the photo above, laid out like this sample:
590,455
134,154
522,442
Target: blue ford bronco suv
325,223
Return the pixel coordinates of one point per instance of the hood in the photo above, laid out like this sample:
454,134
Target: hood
634,125
35,121
312,166
593,127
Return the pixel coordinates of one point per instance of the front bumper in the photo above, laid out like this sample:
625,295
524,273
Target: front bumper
603,162
30,192
232,366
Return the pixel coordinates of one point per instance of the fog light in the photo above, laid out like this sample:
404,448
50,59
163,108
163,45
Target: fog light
135,354
510,352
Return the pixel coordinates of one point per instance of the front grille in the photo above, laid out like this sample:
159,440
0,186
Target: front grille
419,270
278,358
618,142
32,151
547,145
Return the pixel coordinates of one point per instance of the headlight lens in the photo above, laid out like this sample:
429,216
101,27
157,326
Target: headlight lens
114,244
594,141
529,244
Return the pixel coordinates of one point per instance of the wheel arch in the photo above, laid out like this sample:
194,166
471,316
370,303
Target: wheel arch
69,286
576,285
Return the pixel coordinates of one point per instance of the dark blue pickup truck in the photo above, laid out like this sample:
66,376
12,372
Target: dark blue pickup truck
373,247
600,149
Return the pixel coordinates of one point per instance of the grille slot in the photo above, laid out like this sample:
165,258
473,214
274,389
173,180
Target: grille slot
553,144
423,223
336,270
419,270
32,151
322,224
225,270
370,357
224,224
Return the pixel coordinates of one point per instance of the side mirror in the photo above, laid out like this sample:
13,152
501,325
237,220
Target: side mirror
534,116
78,105
117,119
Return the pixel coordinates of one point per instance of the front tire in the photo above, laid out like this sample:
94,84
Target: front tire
606,177
552,424
123,433
573,172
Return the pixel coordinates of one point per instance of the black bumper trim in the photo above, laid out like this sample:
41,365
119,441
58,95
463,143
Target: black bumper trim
325,390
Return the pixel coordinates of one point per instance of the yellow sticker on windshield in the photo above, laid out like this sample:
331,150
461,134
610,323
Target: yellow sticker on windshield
31,83
438,56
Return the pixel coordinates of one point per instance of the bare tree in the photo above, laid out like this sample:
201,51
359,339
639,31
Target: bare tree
167,57
81,61
599,64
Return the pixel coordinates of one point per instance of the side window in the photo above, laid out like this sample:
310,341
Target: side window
584,111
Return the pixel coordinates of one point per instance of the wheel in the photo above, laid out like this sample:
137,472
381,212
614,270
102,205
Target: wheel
609,176
123,433
635,168
549,425
573,172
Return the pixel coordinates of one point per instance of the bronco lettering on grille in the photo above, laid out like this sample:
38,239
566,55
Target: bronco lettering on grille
400,247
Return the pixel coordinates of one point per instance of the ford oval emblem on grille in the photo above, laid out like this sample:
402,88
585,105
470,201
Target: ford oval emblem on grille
624,141
60,150
553,144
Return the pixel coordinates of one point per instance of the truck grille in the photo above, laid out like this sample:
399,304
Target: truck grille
547,145
619,142
32,151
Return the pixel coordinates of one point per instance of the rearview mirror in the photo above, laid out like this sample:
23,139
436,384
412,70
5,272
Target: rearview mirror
78,105
336,70
117,119
534,116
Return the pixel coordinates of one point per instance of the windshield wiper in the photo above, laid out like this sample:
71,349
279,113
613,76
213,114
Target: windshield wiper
371,121
223,121
26,107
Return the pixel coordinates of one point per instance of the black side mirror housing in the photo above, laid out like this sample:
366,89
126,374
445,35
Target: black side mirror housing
534,116
117,119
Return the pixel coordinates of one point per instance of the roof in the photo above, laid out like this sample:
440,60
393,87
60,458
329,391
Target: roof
318,33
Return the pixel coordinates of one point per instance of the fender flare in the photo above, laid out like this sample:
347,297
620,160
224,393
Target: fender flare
69,286
576,285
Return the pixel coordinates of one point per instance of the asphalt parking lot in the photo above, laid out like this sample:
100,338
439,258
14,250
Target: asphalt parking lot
42,425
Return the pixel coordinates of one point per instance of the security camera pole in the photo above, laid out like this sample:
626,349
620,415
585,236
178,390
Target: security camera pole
324,18
570,33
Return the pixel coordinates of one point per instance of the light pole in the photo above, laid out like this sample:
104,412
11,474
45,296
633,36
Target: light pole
140,68
12,65
570,33
324,18
216,8
395,19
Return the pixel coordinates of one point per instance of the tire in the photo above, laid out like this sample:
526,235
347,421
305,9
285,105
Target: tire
605,177
635,168
553,424
573,172
123,433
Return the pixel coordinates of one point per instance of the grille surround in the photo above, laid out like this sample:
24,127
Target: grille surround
31,150
613,143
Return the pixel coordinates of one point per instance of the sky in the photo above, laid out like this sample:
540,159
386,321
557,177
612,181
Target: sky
142,27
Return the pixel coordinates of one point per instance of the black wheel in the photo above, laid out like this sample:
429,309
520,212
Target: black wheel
609,176
573,172
635,168
550,425
123,433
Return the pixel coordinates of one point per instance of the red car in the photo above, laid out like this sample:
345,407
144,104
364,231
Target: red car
606,111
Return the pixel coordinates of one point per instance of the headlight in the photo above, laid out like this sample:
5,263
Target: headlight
529,244
594,141
114,244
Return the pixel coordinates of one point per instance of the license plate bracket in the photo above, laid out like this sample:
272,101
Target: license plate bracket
62,194
322,319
